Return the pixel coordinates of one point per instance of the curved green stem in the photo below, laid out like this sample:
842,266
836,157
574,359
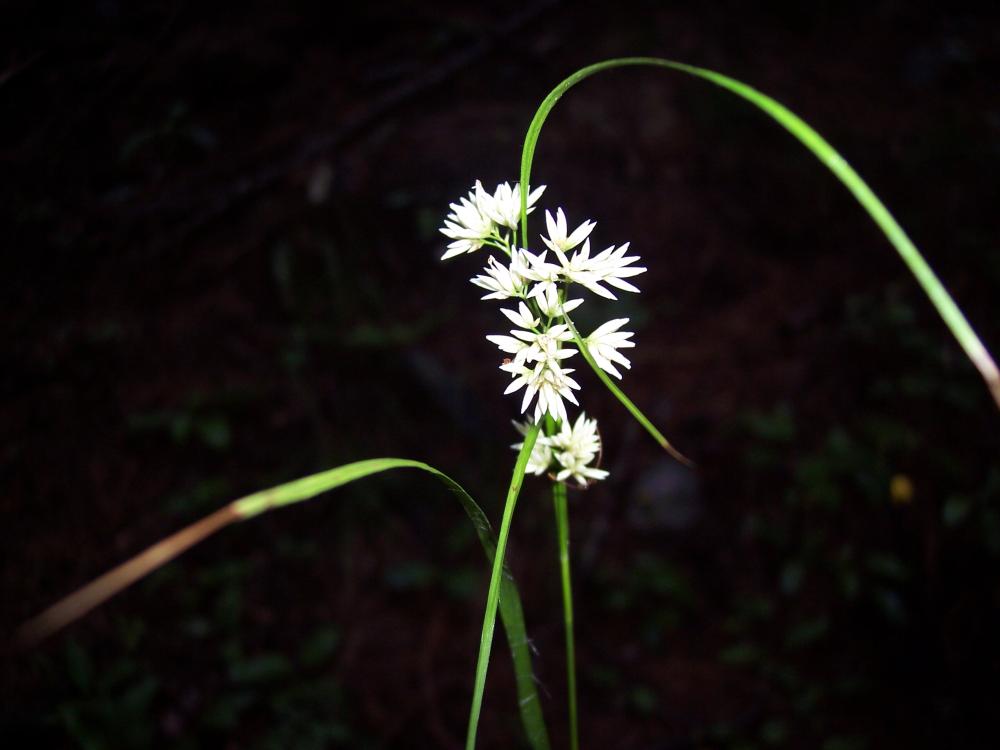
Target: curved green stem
493,595
625,400
562,530
942,301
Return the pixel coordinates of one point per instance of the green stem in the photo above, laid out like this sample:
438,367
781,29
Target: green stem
562,528
938,295
493,595
625,400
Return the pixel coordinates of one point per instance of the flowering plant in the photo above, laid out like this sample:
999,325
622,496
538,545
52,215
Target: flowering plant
542,342
543,330
535,289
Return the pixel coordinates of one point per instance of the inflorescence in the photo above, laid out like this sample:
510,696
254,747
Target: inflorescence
543,335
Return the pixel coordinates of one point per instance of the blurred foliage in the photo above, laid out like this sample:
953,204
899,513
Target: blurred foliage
845,551
123,701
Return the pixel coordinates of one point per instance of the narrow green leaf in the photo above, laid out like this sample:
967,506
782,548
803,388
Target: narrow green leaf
506,595
495,595
942,301
503,593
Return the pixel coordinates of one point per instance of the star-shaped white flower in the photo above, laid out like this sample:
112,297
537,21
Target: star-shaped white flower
502,282
529,345
534,267
469,223
558,240
504,208
547,276
550,382
522,317
547,300
604,343
610,266
575,448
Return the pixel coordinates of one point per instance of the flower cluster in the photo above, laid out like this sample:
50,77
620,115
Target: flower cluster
568,452
543,336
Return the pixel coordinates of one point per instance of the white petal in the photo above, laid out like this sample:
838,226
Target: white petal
605,365
621,284
580,234
535,194
606,328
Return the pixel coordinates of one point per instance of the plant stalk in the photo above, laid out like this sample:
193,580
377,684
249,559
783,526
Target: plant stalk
562,529
493,595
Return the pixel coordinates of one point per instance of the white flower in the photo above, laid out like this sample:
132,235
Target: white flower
535,268
549,381
553,386
533,346
604,343
500,281
504,208
548,302
609,266
520,342
547,345
511,345
557,239
541,452
575,448
469,223
522,317
612,266
579,270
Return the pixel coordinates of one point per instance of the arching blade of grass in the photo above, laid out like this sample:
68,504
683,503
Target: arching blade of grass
946,307
497,593
79,603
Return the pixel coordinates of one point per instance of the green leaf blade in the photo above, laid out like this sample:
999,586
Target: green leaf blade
508,600
812,140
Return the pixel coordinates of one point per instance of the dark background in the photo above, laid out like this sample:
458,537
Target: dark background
221,272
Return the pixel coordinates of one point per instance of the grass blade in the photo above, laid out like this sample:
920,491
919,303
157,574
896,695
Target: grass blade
79,603
83,600
493,595
942,301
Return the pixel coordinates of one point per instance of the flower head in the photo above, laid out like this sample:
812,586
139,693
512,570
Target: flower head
549,381
548,302
547,276
469,224
604,343
502,282
505,206
528,344
575,448
558,240
542,334
611,266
